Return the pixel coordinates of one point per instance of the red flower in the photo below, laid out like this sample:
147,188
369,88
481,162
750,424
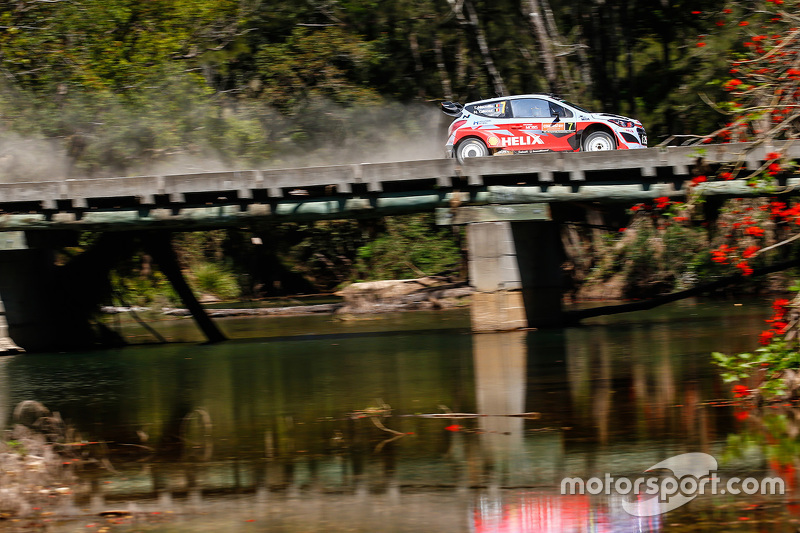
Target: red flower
773,155
453,427
740,391
698,179
726,175
765,337
744,23
745,268
780,304
754,231
750,251
661,202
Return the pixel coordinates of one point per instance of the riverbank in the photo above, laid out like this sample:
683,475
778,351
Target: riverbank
356,299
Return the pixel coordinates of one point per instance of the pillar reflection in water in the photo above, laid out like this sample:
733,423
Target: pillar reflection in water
500,364
523,372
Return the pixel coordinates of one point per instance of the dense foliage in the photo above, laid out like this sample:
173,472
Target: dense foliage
118,85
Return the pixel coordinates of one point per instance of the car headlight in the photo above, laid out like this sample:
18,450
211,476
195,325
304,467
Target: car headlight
621,123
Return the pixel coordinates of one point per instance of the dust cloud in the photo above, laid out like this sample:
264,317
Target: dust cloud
327,135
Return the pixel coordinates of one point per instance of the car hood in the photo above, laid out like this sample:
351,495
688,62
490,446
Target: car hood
606,116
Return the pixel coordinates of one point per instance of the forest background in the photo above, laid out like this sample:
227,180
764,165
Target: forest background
119,87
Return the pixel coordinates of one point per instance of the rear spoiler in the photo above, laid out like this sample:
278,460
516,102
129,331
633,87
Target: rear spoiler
452,108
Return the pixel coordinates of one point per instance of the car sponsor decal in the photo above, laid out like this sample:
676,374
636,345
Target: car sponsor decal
555,126
522,140
494,109
559,126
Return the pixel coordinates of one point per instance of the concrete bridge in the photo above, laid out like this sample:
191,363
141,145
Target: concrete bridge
506,202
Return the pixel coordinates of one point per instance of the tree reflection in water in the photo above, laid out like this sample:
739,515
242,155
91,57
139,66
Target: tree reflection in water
288,448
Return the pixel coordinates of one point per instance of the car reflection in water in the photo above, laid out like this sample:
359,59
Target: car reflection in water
537,512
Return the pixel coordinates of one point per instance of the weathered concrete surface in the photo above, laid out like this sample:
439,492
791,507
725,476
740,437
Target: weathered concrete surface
516,269
492,257
7,346
497,311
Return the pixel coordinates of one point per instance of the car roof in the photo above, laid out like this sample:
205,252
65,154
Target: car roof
517,96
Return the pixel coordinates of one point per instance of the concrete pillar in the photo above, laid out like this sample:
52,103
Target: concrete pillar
11,240
493,271
516,269
540,256
7,346
37,318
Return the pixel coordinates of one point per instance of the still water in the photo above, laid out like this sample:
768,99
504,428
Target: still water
311,424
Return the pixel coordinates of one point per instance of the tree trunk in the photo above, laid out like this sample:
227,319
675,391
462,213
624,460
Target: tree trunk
497,80
447,87
537,20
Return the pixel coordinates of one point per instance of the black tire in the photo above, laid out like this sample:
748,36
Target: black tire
471,147
599,141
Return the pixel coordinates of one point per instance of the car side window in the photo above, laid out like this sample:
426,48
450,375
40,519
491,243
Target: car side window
538,108
560,111
497,109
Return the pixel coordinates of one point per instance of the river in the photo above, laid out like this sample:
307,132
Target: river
365,425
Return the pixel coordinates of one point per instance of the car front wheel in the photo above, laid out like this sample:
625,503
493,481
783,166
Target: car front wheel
599,141
471,148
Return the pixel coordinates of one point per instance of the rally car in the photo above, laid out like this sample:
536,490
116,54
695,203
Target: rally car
536,123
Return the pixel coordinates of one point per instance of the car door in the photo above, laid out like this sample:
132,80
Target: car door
541,124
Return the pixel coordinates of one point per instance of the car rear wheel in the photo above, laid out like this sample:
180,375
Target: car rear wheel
471,148
599,141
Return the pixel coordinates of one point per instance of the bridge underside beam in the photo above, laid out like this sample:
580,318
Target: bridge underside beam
193,218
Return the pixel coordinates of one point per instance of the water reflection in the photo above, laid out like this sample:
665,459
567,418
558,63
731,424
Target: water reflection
370,432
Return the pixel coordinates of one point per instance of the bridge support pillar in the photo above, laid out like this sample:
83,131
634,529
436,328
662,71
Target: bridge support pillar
49,306
37,318
516,268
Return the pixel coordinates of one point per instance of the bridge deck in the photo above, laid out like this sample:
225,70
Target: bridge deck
220,198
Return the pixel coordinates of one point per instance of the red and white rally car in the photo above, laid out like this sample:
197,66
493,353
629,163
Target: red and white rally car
536,123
